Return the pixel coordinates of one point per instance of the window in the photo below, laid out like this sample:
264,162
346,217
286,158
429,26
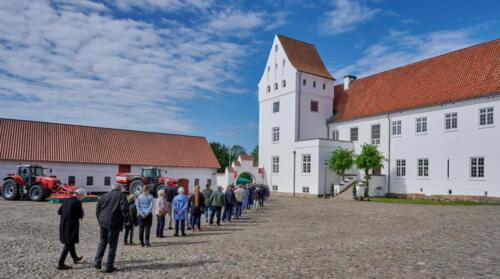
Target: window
284,62
283,83
275,86
90,180
306,163
196,181
276,48
354,134
486,116
107,181
71,180
314,106
423,167
314,84
276,66
401,168
376,134
421,125
276,134
304,81
450,121
477,167
305,189
335,134
275,187
268,69
276,107
396,128
268,89
324,86
276,164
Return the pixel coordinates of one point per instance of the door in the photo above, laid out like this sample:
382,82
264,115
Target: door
184,183
124,168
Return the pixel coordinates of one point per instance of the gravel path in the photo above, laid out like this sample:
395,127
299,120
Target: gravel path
289,238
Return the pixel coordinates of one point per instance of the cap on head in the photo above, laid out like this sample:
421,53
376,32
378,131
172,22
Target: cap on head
81,192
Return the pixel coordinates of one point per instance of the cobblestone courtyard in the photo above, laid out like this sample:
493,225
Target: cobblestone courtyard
289,238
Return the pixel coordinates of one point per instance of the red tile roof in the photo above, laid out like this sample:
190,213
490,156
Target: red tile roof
22,140
246,157
304,57
459,75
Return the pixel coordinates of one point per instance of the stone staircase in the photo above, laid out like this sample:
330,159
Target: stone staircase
343,189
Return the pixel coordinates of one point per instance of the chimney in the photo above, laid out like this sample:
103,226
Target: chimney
347,81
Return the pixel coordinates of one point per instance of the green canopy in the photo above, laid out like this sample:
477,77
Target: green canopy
242,180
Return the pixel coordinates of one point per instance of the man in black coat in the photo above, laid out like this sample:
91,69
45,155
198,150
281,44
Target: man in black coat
71,212
112,211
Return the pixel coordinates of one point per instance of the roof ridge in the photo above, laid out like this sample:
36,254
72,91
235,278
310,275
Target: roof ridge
429,58
97,127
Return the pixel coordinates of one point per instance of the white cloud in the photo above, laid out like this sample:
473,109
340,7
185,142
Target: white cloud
165,5
347,15
400,48
231,20
74,62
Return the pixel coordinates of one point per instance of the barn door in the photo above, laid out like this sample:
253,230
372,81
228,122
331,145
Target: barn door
184,183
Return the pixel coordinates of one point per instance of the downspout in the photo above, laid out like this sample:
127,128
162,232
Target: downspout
389,153
327,129
297,138
294,158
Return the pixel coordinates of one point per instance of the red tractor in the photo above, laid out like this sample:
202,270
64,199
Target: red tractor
151,176
30,183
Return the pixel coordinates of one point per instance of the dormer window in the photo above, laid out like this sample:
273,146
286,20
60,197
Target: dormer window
268,89
314,84
283,83
275,86
324,86
304,81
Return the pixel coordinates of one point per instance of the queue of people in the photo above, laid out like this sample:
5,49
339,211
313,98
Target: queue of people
115,211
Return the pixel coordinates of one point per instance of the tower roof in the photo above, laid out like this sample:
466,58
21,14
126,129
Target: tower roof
304,57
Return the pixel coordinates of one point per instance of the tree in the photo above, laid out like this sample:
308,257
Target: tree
222,154
255,154
369,159
237,150
341,160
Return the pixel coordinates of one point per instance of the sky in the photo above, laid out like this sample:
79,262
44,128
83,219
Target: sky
192,67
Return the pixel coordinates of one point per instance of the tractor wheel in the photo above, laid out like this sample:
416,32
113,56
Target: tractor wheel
36,193
10,190
136,187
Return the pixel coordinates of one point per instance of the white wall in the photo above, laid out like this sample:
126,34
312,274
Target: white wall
438,146
99,171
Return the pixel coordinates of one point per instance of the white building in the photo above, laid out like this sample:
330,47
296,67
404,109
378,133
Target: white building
90,157
434,121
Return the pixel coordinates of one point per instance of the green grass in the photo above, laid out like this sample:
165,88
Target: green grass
405,201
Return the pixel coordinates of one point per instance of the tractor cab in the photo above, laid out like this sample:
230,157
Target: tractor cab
151,173
29,173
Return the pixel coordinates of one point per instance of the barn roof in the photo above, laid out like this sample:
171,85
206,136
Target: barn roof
23,140
459,75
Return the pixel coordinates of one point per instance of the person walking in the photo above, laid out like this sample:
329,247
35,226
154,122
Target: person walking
161,210
196,204
246,199
207,192
179,207
230,203
71,212
170,193
144,207
240,197
217,200
131,222
112,211
251,194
